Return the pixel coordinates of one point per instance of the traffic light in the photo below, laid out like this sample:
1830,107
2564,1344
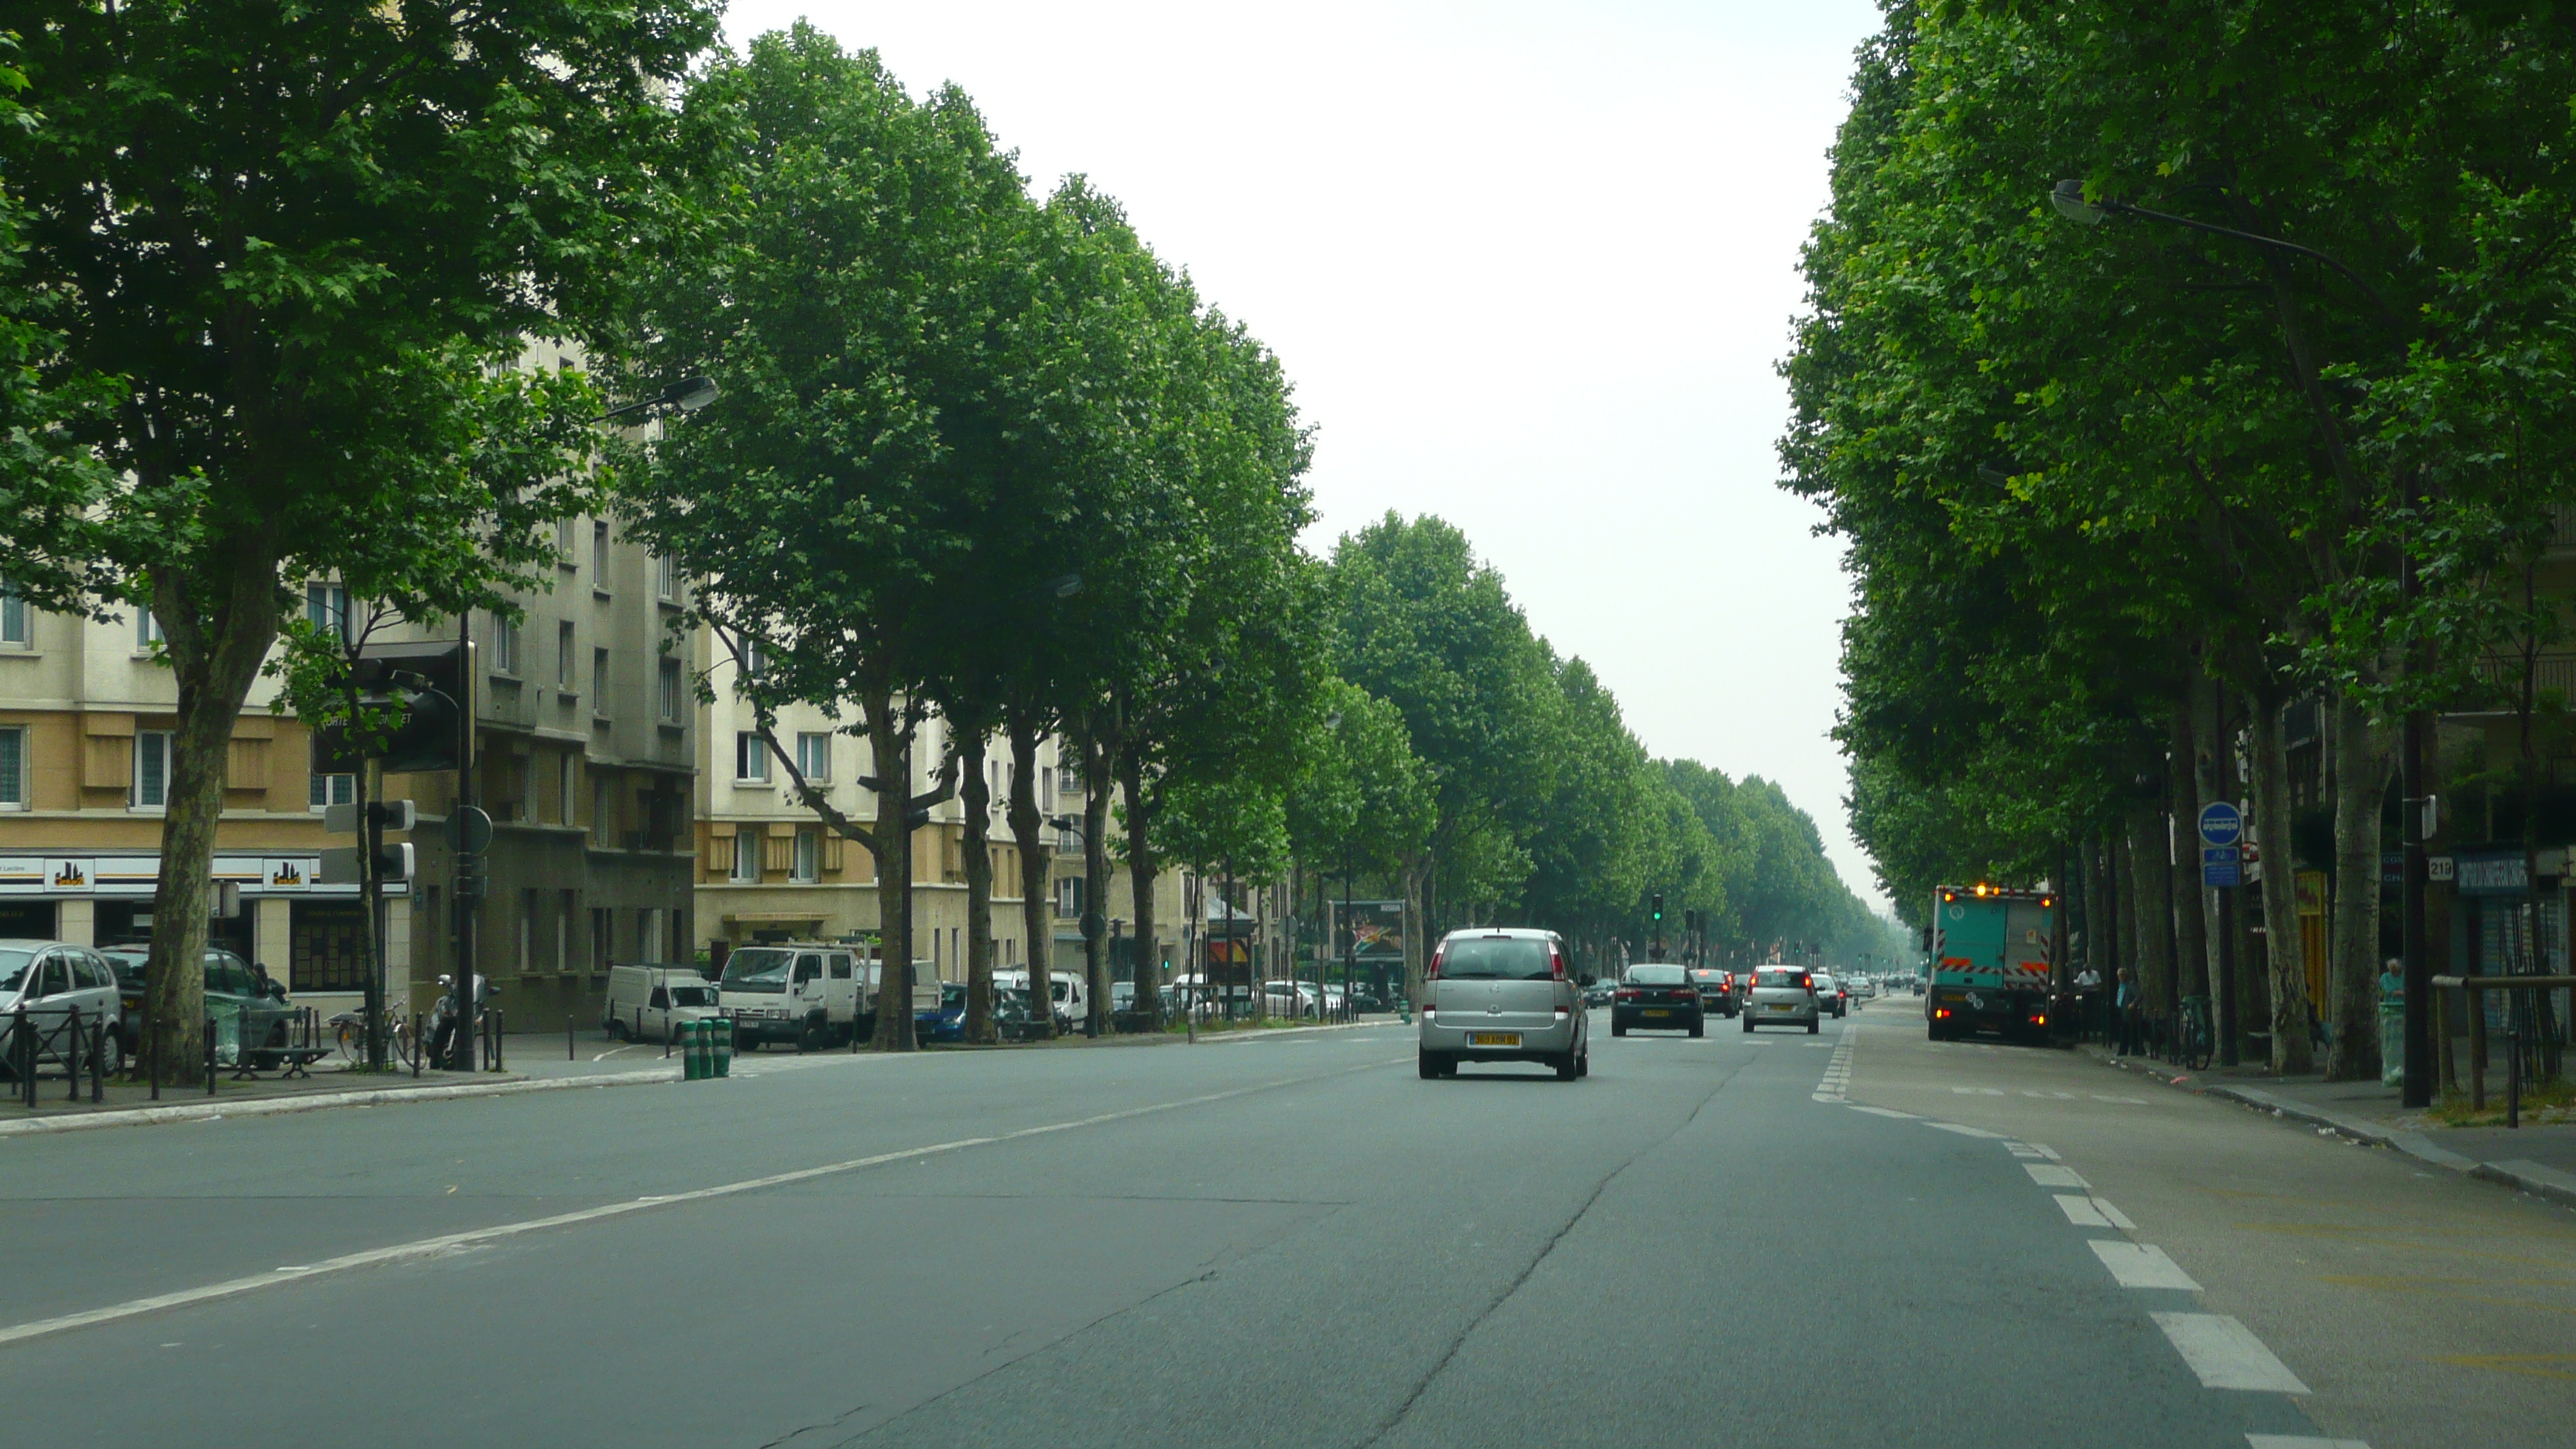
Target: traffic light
410,699
1659,908
395,864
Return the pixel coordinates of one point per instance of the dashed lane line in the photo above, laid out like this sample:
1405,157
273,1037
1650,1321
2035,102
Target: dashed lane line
2141,1265
2054,1174
2225,1354
2093,1212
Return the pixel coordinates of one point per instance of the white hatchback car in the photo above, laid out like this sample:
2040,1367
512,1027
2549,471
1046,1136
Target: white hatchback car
1503,994
1783,996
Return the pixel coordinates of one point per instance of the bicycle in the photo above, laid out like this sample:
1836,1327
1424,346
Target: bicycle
349,1034
2195,1038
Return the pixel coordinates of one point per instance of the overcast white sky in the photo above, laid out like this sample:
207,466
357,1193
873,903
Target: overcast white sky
1530,267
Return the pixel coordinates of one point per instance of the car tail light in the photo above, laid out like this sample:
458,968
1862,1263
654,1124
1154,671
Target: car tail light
1940,1011
1432,971
1556,960
1626,993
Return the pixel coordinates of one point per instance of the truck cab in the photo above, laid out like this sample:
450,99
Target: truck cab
809,993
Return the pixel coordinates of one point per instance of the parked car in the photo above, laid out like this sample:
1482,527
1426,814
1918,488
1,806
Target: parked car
1830,995
1503,994
1657,996
1716,991
650,1003
1072,993
50,980
1783,996
248,1005
808,994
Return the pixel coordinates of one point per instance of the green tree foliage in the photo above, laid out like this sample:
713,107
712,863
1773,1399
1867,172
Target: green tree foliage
308,243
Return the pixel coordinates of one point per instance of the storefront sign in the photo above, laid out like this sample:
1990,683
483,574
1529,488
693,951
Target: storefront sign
2493,875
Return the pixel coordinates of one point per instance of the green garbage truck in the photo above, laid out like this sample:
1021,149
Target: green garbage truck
1992,955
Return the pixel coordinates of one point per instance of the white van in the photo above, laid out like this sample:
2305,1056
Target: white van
647,1003
1072,992
809,994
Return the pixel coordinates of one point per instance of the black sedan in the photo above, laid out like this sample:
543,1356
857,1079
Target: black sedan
1716,991
1656,996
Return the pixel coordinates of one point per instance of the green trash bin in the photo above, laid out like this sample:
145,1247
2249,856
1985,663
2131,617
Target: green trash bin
695,1067
720,1044
2392,1043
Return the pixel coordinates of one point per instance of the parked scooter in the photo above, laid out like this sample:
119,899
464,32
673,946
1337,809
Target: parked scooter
442,1015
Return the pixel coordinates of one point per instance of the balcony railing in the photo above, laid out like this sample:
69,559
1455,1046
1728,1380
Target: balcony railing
2553,679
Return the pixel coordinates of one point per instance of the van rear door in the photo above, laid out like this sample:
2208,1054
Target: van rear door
1498,982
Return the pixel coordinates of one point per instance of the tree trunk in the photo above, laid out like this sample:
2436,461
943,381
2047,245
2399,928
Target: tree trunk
978,800
891,741
1026,827
2152,864
216,653
2362,759
1416,954
2191,899
2287,973
1095,883
1140,884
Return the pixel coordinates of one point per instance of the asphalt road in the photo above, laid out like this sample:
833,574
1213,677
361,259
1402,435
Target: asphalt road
1289,1240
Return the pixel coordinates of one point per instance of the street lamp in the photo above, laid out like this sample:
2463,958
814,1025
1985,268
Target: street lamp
2070,201
688,395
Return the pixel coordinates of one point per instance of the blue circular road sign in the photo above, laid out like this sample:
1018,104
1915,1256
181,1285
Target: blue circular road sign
2221,823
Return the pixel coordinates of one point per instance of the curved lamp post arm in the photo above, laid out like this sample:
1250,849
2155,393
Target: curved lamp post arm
2069,200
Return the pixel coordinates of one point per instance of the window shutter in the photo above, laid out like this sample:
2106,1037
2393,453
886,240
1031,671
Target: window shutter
832,850
719,854
778,853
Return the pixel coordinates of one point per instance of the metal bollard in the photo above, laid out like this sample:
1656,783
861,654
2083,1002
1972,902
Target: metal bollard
667,1033
498,1025
98,1064
71,1052
720,1045
569,1054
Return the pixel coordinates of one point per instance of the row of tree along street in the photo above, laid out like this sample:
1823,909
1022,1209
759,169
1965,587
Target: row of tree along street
2170,368
279,289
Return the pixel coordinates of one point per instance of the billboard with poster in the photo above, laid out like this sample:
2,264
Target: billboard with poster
1378,927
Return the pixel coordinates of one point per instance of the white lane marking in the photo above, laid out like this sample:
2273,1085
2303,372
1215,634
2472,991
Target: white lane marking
2080,1210
2044,1150
2050,1174
1837,1079
449,1242
1978,1091
1883,1112
2300,1441
2141,1265
2226,1354
1967,1131
2122,1101
2118,1218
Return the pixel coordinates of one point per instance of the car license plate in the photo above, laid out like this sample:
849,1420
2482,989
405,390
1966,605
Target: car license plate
1782,1006
1494,1038
1657,1011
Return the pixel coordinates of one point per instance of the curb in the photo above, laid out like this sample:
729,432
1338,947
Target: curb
2520,1174
272,1106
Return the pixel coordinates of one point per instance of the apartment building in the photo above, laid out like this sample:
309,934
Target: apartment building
769,870
585,752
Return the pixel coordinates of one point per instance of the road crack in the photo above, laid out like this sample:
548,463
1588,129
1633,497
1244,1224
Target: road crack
1432,1375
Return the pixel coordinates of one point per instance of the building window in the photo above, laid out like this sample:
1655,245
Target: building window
147,629
13,616
755,658
567,769
809,853
1046,786
151,769
666,577
567,534
814,756
527,930
568,902
332,790
603,809
505,646
599,555
564,655
667,691
13,769
1068,897
326,607
746,854
603,937
1069,779
750,759
648,932
599,682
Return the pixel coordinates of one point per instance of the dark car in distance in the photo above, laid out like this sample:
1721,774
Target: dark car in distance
1657,996
1716,991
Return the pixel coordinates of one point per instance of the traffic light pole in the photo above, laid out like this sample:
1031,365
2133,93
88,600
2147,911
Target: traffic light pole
468,864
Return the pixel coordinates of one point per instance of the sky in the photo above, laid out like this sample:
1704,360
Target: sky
1531,268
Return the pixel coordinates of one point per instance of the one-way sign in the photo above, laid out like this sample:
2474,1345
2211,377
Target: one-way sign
2221,823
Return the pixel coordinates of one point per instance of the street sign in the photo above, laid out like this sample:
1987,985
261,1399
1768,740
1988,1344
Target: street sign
2221,824
469,830
2221,865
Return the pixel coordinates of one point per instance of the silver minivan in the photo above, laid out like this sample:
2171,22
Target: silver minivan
48,981
1503,994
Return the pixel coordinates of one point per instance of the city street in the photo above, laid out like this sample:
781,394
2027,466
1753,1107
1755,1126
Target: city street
1852,1238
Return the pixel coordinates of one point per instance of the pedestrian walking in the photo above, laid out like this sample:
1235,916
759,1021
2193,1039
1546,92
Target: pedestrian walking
2088,1001
2126,1004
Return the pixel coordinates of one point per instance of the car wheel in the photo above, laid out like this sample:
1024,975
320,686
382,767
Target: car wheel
1700,1027
1428,1065
1618,1029
616,1029
1811,1026
1566,1070
1583,1062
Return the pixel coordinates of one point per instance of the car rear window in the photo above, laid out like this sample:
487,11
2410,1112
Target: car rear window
1655,976
1780,980
1496,958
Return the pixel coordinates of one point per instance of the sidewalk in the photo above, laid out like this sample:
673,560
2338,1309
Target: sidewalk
2537,1159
